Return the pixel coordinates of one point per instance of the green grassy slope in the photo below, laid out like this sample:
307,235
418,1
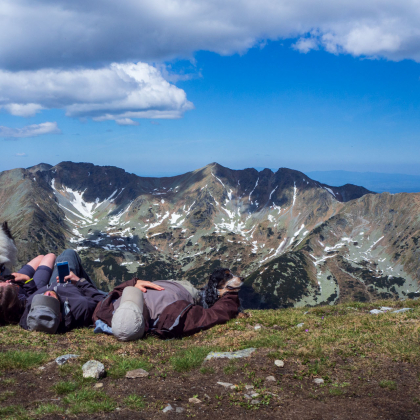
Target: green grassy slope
369,364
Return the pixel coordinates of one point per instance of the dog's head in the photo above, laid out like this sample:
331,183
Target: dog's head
8,251
221,281
225,280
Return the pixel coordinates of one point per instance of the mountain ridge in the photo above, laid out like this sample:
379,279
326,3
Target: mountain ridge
256,222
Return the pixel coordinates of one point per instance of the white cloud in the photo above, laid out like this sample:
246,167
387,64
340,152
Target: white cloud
21,154
304,45
23,110
126,121
117,92
33,130
47,34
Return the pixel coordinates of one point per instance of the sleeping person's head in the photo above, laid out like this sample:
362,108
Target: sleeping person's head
128,322
11,308
45,313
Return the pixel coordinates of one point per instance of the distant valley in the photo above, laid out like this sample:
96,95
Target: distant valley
296,241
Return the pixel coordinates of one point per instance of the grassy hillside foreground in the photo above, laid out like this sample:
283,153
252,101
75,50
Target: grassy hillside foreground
369,364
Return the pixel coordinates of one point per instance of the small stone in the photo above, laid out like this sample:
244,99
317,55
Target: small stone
137,373
167,408
279,363
300,325
179,410
194,400
118,409
230,354
225,384
234,387
257,327
98,385
247,397
41,368
255,402
249,387
318,381
376,312
270,379
254,394
93,369
61,360
402,310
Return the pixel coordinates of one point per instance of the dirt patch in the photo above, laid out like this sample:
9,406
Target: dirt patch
373,389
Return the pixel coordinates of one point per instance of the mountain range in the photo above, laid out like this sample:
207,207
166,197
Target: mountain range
296,241
374,181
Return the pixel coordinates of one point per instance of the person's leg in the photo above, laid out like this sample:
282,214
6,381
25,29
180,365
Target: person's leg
75,265
43,273
30,268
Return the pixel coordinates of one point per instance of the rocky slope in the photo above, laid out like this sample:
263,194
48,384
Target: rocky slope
296,240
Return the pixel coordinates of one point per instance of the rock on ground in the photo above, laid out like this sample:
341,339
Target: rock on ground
279,363
225,384
93,369
270,378
318,381
167,408
137,373
194,400
230,354
61,360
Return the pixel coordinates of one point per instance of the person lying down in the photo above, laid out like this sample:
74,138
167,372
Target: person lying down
168,308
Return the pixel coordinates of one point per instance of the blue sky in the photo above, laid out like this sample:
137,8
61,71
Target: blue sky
286,99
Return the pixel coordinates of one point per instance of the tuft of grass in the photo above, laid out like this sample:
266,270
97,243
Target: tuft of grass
5,395
230,368
134,402
91,407
84,395
12,411
16,359
48,408
64,387
336,391
207,370
89,401
391,385
8,381
189,359
121,365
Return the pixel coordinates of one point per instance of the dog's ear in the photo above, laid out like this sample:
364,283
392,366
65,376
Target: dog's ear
6,230
219,274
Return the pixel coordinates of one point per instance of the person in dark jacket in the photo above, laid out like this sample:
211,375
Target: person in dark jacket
60,307
176,309
15,288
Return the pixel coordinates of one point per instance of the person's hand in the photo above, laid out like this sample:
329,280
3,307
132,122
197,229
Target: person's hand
19,277
142,284
71,277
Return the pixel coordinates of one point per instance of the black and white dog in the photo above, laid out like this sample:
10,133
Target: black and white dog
220,281
8,250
